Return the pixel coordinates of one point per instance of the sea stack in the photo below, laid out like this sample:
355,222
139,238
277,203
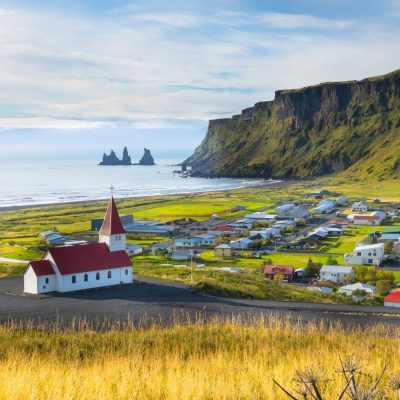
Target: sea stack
112,159
147,158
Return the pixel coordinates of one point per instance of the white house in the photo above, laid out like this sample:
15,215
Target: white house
134,249
261,216
241,244
325,208
371,254
284,208
336,273
349,289
391,234
360,206
87,266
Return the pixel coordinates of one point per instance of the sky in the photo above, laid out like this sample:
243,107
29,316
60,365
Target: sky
83,74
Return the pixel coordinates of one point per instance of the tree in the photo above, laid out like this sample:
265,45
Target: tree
332,261
389,247
312,269
383,287
359,293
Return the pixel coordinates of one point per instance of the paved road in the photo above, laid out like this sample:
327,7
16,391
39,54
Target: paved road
156,300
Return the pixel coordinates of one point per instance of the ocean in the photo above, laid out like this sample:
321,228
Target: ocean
29,178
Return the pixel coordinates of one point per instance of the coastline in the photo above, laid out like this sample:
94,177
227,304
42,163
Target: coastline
270,184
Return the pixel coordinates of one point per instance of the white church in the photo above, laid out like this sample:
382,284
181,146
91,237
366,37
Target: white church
85,266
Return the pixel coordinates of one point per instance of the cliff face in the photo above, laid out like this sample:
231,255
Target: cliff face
303,133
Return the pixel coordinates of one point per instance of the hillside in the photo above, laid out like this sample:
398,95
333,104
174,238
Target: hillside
328,128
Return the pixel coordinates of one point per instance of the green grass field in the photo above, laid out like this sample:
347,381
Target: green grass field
19,229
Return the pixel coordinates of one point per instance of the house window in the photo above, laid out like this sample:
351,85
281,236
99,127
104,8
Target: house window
73,279
47,281
370,261
359,254
126,272
86,277
97,276
109,274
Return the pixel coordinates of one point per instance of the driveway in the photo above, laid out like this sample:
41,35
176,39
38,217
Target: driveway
152,300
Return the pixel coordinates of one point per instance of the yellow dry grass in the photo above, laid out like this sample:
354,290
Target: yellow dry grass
217,360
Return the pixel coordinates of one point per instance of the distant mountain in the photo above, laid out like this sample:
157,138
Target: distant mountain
323,129
147,158
112,159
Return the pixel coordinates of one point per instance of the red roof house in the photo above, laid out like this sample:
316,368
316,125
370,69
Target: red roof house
42,267
392,300
271,271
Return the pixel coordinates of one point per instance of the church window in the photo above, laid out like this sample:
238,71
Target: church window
73,279
97,276
109,274
126,272
47,281
86,277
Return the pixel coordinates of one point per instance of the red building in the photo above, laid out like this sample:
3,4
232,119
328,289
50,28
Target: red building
287,271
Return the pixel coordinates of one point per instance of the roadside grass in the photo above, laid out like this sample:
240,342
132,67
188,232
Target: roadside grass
8,270
248,284
219,360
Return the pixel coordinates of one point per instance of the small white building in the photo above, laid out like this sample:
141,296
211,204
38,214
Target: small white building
241,244
349,289
341,200
260,216
336,273
133,249
87,266
360,206
371,254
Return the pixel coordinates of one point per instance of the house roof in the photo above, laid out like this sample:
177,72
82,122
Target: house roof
369,246
279,269
393,297
367,217
112,224
87,257
42,267
336,269
358,286
223,246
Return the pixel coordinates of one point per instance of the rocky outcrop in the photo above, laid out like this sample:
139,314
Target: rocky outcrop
323,129
112,159
147,158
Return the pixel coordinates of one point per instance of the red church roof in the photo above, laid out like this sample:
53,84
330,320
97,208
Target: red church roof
87,257
112,224
42,267
393,297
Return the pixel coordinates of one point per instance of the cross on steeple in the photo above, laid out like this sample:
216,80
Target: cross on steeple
111,189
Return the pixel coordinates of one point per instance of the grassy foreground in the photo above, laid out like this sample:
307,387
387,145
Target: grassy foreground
217,360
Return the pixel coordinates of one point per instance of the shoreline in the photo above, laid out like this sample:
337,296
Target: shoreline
270,184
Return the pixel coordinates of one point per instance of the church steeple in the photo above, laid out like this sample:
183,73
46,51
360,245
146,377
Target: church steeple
112,231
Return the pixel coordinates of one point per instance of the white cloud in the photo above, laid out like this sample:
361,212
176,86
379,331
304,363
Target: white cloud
292,21
129,68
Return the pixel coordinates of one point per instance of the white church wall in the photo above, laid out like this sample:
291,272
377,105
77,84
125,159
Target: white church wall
30,281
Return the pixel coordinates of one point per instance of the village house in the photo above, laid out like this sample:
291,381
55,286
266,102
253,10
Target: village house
184,255
392,300
241,244
336,273
349,289
371,254
286,272
223,250
391,234
341,200
159,248
360,206
374,218
87,266
133,249
260,216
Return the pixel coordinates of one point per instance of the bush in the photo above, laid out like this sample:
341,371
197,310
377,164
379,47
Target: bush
383,287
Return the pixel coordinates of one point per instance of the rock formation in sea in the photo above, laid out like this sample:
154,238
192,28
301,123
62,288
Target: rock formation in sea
147,158
112,159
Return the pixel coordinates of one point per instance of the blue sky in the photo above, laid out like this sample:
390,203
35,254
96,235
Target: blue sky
97,73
